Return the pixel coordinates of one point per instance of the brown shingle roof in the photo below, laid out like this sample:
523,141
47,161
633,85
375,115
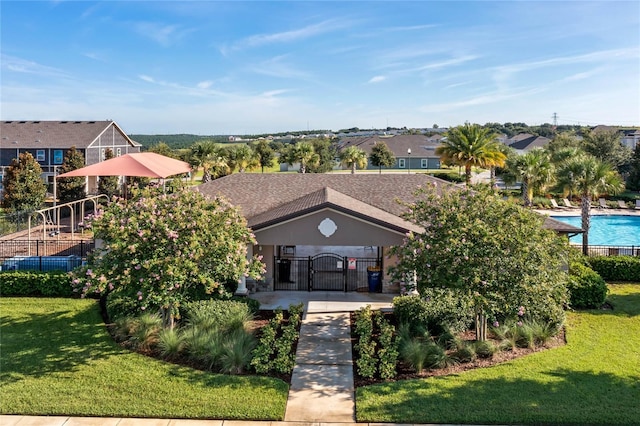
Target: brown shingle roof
421,145
263,198
266,199
52,134
330,198
560,227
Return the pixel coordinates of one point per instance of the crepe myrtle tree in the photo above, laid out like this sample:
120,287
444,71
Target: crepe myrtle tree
492,251
161,249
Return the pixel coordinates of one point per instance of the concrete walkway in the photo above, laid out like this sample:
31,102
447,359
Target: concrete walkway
322,388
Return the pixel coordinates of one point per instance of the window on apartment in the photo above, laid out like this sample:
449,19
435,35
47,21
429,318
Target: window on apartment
40,155
424,163
401,163
58,156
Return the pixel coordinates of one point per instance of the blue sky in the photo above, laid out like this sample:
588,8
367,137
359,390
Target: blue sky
216,67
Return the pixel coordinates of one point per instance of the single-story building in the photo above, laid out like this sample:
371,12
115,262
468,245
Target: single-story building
412,152
328,231
49,141
525,142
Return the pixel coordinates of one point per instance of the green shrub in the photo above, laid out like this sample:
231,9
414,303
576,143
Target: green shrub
616,268
147,328
222,315
414,353
170,343
465,353
484,349
542,332
119,307
33,283
435,309
274,351
586,288
437,357
388,352
236,352
450,176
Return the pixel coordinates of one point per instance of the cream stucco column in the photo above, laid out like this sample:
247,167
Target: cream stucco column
242,284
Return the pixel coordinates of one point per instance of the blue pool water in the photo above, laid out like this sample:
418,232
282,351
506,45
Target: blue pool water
608,230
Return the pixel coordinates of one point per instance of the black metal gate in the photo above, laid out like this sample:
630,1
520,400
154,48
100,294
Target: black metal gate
323,272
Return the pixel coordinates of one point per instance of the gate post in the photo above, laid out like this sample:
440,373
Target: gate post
345,270
310,275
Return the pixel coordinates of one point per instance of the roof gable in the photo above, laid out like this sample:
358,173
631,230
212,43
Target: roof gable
56,134
266,199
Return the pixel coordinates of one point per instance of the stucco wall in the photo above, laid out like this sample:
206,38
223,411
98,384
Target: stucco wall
349,231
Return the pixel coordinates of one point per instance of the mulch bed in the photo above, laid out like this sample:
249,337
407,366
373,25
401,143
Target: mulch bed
405,372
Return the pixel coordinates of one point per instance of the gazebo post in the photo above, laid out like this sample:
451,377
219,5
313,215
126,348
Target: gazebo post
242,283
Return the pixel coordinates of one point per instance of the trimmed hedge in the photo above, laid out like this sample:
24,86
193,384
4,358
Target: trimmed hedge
32,283
587,289
616,268
435,309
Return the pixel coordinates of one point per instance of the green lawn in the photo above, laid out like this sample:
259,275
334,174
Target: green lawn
594,379
56,358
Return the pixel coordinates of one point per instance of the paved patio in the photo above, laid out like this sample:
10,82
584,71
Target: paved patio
323,301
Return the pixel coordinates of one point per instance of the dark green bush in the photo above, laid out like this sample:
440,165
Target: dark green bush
586,288
32,283
616,268
435,309
450,176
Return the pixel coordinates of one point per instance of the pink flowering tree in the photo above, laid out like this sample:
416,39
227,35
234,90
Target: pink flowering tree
159,250
493,252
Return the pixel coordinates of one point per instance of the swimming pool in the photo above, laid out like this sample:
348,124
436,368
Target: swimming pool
613,230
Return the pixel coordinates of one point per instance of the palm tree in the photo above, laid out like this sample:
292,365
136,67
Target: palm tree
243,158
303,153
265,154
470,145
381,156
535,170
589,177
354,157
202,153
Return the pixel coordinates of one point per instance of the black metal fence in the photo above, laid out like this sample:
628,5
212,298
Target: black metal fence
43,255
612,250
323,272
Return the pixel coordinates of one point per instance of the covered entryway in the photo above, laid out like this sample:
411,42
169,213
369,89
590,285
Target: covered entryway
287,212
316,270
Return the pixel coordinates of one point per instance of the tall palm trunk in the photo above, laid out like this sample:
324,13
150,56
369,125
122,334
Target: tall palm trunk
353,168
467,174
585,204
525,193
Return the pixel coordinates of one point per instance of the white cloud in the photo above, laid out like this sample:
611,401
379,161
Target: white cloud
377,79
19,65
278,66
257,40
165,35
204,84
146,78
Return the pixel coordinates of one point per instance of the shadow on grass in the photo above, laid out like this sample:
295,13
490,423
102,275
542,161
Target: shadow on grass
230,381
39,344
560,397
625,304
